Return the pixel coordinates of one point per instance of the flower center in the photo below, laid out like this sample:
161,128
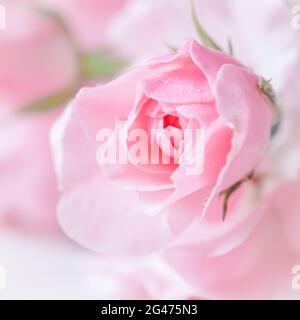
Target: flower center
171,121
170,136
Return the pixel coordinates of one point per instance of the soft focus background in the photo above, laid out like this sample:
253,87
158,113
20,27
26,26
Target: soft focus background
51,48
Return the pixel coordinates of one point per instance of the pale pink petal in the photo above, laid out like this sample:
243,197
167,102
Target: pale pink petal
247,111
257,267
73,153
104,218
287,206
183,85
210,61
100,107
28,194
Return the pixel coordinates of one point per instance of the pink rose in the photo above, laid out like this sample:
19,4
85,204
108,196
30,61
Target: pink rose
140,208
88,20
253,257
266,42
35,61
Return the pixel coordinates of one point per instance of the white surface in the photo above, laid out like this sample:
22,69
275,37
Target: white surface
52,267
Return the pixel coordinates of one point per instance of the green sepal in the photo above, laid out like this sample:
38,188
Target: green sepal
59,99
204,36
99,65
230,191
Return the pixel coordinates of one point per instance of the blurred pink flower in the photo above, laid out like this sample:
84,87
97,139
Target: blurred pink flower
36,60
109,277
142,208
81,274
28,186
88,20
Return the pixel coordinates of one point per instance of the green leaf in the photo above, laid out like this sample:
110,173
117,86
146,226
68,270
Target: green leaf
171,48
53,101
56,17
231,190
267,90
99,65
227,195
230,47
206,39
94,65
